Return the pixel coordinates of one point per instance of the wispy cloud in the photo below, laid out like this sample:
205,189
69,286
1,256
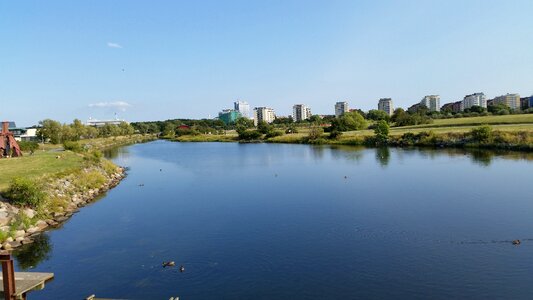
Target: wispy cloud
113,45
120,105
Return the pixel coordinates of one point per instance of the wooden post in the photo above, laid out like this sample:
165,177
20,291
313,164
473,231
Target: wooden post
8,274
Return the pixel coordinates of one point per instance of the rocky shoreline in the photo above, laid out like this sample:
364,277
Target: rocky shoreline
38,222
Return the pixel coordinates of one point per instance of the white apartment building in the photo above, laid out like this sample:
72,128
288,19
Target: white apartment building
264,114
476,99
432,102
243,108
341,108
511,100
300,112
385,104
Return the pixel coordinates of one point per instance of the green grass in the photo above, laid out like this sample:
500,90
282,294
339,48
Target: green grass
37,165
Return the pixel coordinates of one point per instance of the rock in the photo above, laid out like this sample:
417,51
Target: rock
51,222
32,230
30,213
41,225
58,214
27,241
4,218
61,219
14,244
19,239
7,246
9,239
20,233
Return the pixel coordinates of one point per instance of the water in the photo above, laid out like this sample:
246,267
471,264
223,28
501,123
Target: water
264,221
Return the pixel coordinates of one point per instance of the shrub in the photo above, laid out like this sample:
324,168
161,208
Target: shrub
23,191
94,156
482,134
248,135
334,134
72,146
381,132
28,145
315,133
274,133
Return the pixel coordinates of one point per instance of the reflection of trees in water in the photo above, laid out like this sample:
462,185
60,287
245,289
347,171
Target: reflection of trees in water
347,152
383,156
33,254
111,153
317,152
481,157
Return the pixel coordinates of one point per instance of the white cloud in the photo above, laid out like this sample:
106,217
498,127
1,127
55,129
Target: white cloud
113,45
120,105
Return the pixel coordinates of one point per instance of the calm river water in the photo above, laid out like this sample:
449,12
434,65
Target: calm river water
267,221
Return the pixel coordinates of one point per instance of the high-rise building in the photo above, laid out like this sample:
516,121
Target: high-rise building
476,99
300,112
229,116
511,100
432,102
341,108
385,104
243,108
264,114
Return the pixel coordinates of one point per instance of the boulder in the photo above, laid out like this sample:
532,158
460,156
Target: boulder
20,233
30,213
7,246
9,239
14,244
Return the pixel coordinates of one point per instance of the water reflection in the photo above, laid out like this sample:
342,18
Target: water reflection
383,156
31,255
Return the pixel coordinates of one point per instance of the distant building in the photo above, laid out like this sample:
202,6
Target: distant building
476,99
432,102
414,108
243,108
511,100
300,112
385,104
454,107
229,116
341,108
101,123
264,114
526,102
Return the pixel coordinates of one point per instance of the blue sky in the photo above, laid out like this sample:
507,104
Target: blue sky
156,60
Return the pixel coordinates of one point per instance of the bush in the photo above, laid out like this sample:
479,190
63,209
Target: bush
274,133
248,135
315,133
28,146
23,191
72,146
94,156
482,134
381,132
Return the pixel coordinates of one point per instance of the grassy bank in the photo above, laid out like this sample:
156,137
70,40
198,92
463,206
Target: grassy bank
51,160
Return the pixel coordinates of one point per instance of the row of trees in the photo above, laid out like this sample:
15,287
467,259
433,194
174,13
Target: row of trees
55,132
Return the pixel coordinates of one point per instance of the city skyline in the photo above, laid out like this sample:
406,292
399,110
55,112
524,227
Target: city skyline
166,60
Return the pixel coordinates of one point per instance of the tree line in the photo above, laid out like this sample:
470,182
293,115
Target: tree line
54,132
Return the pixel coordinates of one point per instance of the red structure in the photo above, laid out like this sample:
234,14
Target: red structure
8,145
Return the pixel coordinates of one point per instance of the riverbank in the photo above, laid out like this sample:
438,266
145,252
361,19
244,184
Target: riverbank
516,137
66,181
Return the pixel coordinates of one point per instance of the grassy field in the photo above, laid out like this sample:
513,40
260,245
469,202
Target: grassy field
44,162
230,137
37,165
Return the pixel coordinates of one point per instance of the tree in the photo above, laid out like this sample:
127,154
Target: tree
381,132
50,130
125,128
315,133
349,121
78,130
315,119
377,115
170,130
242,124
264,127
